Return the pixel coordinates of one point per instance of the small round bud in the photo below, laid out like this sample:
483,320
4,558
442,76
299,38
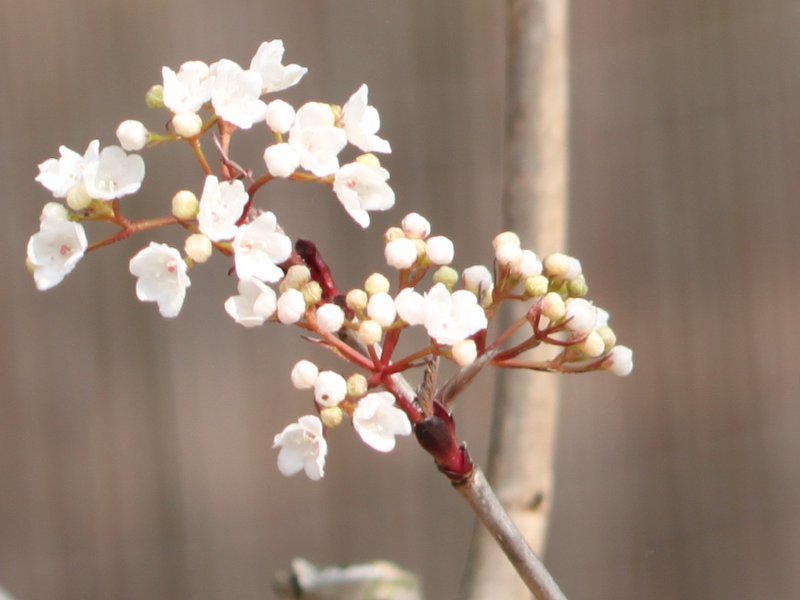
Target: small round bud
185,205
198,247
619,361
476,278
330,388
440,250
187,124
54,210
312,292
154,98
78,198
356,300
368,159
507,237
304,374
331,416
281,159
381,309
401,253
376,283
465,352
416,226
446,275
330,318
552,306
295,277
581,315
291,307
536,285
561,266
132,135
280,116
529,266
357,385
508,255
370,332
393,233
593,345
577,287
608,335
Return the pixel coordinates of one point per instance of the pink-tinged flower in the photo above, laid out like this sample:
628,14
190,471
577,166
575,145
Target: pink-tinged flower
115,174
267,62
361,122
255,303
235,94
189,88
448,318
377,421
60,175
259,247
55,250
221,205
362,187
303,447
162,278
316,139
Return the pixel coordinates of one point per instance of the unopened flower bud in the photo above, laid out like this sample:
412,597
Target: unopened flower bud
608,335
552,306
465,352
357,385
154,98
78,198
561,266
281,159
187,124
581,315
185,205
330,388
331,416
619,361
376,283
304,374
508,255
577,287
370,332
416,226
132,135
446,275
312,292
356,300
368,159
593,345
476,278
393,233
440,250
198,247
529,266
296,276
291,307
401,253
280,116
54,210
330,318
536,286
507,237
381,309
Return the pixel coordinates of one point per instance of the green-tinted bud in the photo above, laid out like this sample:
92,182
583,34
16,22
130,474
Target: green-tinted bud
446,275
609,337
356,300
536,285
154,98
370,332
185,205
312,292
577,287
331,416
376,283
553,307
593,345
295,278
393,233
356,385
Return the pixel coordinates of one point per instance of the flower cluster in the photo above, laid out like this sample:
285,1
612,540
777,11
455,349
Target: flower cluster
288,282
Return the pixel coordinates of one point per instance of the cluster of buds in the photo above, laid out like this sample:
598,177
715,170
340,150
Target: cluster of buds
290,283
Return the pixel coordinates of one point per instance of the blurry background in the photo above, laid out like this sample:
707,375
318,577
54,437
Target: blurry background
135,457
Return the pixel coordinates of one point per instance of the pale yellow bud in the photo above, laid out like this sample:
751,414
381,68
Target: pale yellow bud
331,416
357,300
376,283
577,287
78,198
295,277
446,275
370,332
154,98
369,159
356,385
593,345
185,205
312,292
393,233
198,247
536,285
507,237
608,335
553,307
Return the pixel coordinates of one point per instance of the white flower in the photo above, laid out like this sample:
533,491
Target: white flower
291,306
60,175
330,318
280,116
381,309
330,388
259,247
304,374
281,159
361,187
114,174
55,250
235,94
440,250
162,277
221,205
255,303
303,447
448,318
619,361
401,253
377,421
189,88
416,226
132,135
361,121
316,139
267,63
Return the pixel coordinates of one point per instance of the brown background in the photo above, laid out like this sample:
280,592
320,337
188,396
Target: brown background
135,456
